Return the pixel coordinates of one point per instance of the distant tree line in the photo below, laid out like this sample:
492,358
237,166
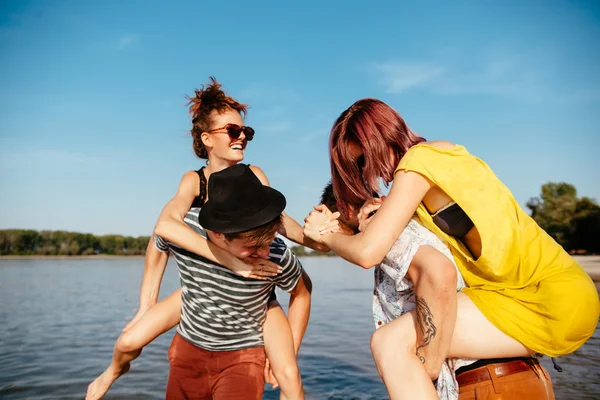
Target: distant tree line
572,221
61,243
301,251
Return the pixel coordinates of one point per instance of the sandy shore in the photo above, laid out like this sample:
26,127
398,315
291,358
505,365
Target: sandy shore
591,264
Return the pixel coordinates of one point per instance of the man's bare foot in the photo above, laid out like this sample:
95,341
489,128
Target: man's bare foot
98,388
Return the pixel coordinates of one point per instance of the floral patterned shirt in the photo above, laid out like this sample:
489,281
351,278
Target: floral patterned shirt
394,293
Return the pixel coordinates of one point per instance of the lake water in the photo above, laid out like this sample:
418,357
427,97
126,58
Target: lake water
60,317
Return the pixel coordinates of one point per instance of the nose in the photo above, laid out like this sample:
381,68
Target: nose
263,251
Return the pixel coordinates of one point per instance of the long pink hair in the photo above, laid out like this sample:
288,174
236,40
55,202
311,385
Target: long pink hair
384,138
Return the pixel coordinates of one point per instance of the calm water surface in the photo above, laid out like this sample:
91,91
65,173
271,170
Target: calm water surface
59,320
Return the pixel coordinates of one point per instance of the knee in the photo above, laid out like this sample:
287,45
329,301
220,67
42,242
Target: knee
391,344
448,275
433,369
288,376
377,343
387,345
127,343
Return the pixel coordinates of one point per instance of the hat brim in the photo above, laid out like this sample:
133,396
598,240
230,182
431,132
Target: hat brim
275,206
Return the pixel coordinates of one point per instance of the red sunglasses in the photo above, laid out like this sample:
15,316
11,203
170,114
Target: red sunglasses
234,131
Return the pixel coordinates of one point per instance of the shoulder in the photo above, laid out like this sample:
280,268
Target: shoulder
191,175
260,174
281,254
278,249
441,144
427,155
190,182
418,233
435,146
413,235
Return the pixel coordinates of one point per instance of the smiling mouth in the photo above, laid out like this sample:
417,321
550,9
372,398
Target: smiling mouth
237,146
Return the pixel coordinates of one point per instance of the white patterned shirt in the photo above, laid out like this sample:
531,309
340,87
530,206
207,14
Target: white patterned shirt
394,293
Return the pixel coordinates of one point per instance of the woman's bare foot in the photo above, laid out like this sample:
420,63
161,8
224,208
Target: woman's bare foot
98,388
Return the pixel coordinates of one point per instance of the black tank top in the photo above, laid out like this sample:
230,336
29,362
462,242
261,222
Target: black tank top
201,198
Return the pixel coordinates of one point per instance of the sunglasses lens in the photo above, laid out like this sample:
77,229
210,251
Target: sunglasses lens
249,133
234,131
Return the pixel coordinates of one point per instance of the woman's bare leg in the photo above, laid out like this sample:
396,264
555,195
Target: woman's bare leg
476,337
279,346
160,318
394,349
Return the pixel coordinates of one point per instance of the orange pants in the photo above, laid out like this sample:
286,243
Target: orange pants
197,374
513,380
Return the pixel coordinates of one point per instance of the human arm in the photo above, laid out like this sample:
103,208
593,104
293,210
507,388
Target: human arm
367,248
155,264
434,278
172,227
291,229
295,281
299,309
294,232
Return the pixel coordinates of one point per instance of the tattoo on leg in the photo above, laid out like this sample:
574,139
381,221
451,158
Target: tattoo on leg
425,324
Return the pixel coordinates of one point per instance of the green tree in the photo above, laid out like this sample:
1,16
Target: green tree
571,221
50,243
299,251
586,226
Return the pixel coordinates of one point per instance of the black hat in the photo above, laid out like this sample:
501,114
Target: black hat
238,201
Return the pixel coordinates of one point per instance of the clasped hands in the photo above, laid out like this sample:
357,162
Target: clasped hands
321,222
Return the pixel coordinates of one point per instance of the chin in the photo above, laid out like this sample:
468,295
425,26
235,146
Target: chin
236,157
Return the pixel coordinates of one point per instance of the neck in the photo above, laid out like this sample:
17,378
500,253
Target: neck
216,164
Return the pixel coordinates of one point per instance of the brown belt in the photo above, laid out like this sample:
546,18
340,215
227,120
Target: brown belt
481,374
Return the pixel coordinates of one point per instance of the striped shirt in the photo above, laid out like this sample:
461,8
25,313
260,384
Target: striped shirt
220,310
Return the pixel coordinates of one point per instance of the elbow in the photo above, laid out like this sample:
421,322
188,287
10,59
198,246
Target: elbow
159,229
368,258
162,227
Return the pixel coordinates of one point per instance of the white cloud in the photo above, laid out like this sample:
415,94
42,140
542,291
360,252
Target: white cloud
398,76
497,70
126,41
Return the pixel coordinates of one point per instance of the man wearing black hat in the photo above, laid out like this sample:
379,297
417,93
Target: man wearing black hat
217,351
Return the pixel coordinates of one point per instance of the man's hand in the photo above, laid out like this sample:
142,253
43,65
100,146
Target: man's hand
367,211
269,376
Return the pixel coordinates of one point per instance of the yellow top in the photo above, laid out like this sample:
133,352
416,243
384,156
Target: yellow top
523,282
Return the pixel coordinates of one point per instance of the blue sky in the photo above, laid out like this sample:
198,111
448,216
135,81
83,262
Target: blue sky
93,124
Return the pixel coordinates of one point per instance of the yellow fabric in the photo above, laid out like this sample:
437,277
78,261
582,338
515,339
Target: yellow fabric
523,282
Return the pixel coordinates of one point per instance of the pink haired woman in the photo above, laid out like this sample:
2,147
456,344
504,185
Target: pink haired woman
525,294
